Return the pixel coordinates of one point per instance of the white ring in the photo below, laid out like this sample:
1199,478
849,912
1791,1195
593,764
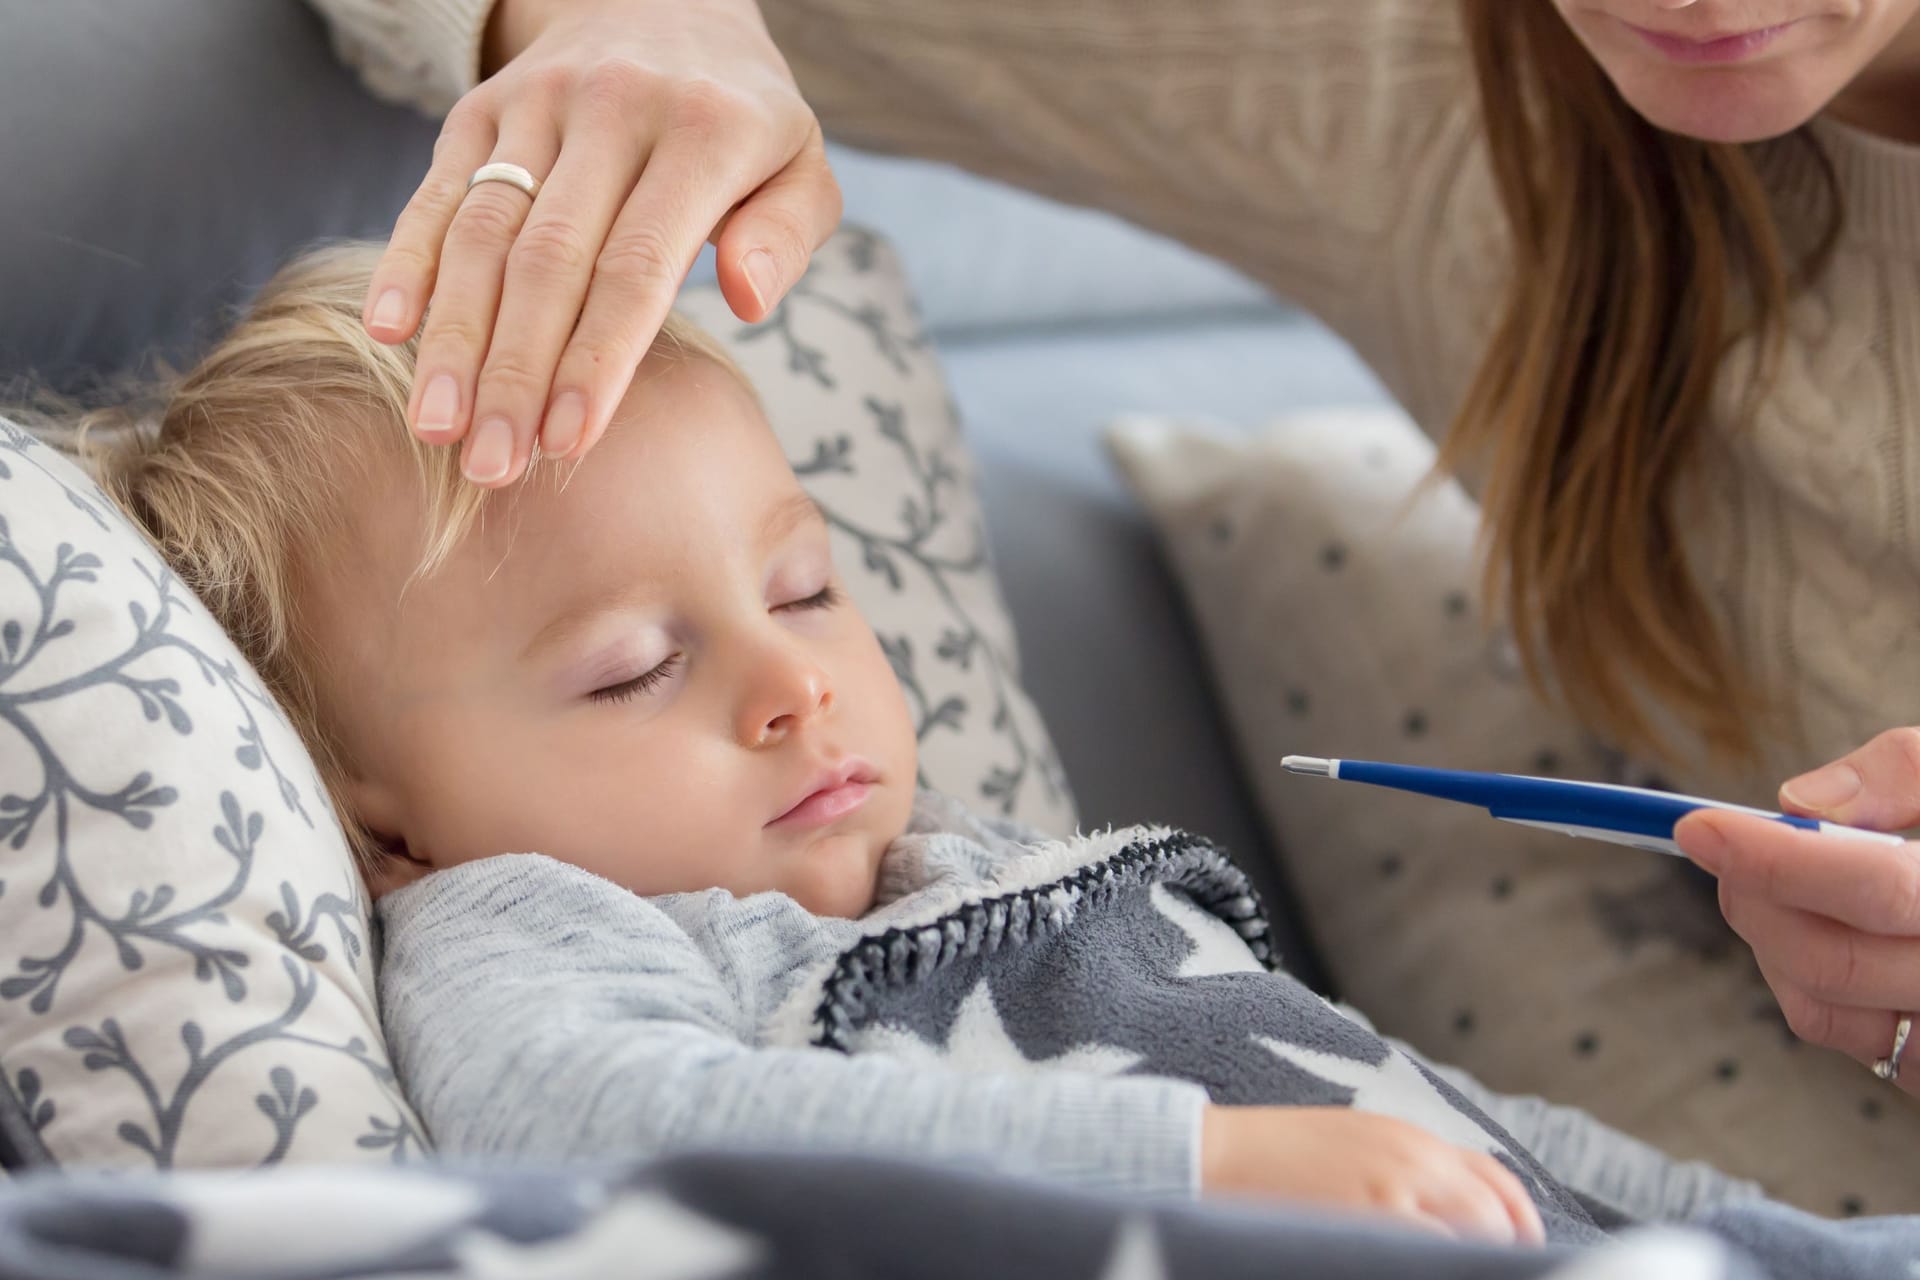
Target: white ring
1888,1068
511,174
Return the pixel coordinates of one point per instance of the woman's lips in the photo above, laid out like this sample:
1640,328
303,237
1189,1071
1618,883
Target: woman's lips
1735,48
826,805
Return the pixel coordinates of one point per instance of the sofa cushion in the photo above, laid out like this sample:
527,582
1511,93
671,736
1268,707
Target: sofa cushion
988,258
167,159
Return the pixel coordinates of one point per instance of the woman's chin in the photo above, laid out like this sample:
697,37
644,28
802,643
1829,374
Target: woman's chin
1723,106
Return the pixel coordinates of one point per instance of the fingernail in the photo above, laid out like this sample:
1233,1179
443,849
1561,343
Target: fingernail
491,453
1825,788
565,421
438,406
763,276
1702,842
389,310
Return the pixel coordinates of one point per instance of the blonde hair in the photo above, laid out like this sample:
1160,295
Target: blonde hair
1638,257
250,457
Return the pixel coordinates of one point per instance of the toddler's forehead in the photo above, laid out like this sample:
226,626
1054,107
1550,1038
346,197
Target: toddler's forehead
371,527
393,498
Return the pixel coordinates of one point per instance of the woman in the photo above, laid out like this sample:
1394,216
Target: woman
1648,268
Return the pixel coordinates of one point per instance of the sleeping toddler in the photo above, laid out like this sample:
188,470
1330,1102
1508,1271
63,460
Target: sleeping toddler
634,787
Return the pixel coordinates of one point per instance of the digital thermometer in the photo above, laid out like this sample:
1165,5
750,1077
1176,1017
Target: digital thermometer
1597,810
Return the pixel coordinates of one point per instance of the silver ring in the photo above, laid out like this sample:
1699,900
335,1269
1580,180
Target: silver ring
1888,1068
511,174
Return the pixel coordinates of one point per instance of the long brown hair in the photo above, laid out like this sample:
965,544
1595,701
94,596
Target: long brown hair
1638,258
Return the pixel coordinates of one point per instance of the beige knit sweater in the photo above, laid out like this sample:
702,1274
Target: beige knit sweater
1328,149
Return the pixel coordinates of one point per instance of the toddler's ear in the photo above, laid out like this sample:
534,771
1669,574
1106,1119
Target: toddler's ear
394,868
376,810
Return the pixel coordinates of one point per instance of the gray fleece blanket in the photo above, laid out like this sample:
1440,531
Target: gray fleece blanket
757,1216
1148,951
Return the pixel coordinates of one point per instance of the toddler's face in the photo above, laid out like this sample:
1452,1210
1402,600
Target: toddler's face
651,672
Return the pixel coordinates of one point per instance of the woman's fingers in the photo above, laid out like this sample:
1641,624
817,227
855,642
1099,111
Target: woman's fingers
652,123
764,244
1833,920
1869,885
647,254
1877,786
548,273
466,297
403,278
1825,959
1864,1035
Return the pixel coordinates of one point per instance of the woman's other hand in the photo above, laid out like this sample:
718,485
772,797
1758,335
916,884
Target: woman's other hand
1833,921
653,126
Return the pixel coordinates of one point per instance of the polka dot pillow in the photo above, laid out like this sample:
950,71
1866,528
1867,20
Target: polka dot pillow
1341,621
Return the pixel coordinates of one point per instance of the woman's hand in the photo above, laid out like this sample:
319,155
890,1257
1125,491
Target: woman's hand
1365,1163
1833,921
654,125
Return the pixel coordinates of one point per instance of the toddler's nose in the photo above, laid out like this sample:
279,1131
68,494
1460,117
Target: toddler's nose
790,694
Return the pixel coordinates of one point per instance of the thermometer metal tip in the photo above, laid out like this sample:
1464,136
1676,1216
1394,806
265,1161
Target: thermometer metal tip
1312,765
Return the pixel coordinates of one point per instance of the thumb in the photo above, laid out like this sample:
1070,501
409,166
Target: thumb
1876,786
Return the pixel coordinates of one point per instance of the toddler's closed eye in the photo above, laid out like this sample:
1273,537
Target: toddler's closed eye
627,690
825,598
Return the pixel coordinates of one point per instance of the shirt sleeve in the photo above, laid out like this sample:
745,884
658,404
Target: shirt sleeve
534,1010
420,53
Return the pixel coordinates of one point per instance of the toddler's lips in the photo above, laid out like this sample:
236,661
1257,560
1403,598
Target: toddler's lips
826,805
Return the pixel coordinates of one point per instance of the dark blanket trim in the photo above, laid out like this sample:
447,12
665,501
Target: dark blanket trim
20,1145
906,954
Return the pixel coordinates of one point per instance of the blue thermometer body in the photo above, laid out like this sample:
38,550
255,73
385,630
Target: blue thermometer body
1596,810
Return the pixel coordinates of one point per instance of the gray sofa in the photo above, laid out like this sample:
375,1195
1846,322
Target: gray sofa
166,157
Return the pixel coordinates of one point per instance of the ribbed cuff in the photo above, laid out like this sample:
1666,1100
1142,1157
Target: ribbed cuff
449,34
1132,1134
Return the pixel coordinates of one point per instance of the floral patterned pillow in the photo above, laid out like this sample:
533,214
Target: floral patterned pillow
185,977
861,406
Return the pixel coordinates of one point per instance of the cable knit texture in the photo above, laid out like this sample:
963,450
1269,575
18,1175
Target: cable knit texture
420,53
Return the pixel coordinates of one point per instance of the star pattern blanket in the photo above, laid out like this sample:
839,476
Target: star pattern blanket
1132,951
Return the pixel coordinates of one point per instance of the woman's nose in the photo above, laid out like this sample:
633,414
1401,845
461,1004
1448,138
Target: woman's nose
788,690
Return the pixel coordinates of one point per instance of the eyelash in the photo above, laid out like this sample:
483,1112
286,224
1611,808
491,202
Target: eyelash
646,681
627,690
825,598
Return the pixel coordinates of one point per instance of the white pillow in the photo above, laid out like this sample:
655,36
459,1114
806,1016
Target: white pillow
185,976
858,399
1339,622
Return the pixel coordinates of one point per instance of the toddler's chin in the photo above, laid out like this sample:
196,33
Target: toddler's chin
839,875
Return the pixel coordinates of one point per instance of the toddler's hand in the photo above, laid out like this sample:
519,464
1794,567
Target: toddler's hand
1374,1164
